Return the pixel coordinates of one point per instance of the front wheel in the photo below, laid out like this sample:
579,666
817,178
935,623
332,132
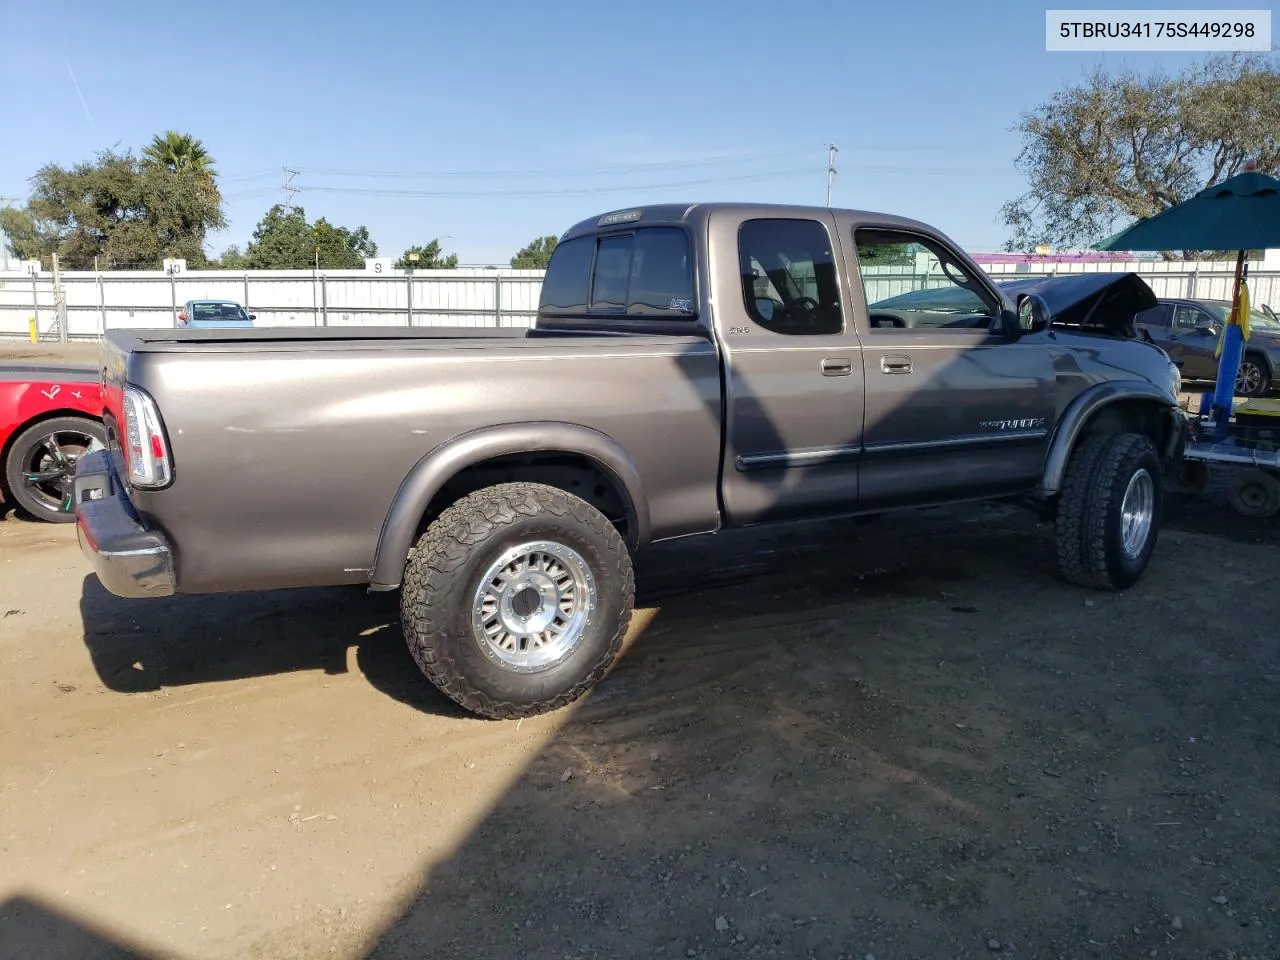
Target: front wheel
516,600
41,465
1109,512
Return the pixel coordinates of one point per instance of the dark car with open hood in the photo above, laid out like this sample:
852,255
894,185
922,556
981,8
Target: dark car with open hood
693,368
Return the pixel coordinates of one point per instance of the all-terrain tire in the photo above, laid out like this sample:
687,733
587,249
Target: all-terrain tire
1091,525
448,565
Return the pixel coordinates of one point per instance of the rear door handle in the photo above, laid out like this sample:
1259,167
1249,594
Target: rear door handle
836,367
895,364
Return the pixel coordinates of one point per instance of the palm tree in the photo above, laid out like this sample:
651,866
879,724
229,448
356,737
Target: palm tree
179,151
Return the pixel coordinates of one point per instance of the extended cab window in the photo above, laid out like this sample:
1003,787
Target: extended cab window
564,286
789,277
647,272
913,282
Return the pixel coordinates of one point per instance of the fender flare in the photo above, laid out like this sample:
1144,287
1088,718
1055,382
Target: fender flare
1082,409
439,465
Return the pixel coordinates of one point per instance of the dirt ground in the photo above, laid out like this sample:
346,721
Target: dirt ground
905,739
76,351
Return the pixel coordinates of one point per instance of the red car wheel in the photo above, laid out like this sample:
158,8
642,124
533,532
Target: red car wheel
42,461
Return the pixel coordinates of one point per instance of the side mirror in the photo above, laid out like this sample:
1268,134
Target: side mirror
1034,315
253,316
764,307
1207,326
183,317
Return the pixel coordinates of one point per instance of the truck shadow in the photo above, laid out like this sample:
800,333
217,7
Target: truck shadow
140,646
31,927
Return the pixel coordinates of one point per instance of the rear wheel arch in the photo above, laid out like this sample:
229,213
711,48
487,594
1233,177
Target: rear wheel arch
42,416
571,457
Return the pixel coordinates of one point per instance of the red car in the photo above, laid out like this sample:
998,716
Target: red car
50,416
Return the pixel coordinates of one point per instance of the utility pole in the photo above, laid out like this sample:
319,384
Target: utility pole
59,302
289,188
831,169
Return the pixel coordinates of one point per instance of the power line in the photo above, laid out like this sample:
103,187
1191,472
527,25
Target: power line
250,194
598,170
248,175
461,193
581,192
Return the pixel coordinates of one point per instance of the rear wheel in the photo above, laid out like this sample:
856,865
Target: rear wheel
516,599
1109,512
41,465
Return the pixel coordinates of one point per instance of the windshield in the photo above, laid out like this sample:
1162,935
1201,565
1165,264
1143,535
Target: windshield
218,311
1257,319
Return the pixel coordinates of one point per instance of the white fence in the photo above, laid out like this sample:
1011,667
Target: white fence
469,297
136,298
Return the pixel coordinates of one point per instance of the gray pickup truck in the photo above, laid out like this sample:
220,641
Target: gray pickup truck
692,368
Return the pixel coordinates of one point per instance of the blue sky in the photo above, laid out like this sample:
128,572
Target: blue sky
727,100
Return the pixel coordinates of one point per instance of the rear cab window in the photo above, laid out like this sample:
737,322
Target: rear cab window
638,275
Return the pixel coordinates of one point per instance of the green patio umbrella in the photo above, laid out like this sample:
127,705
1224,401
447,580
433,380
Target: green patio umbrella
1240,213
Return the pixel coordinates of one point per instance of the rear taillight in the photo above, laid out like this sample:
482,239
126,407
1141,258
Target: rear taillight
146,452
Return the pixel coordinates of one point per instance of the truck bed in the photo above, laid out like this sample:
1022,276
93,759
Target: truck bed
271,429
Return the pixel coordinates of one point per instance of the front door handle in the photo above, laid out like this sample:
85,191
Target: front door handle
836,367
895,364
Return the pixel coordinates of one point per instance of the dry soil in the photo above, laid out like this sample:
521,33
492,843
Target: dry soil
905,739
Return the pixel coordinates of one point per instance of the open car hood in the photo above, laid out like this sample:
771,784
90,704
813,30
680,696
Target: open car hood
1106,301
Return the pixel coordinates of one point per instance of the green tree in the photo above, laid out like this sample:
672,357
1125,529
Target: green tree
25,241
430,257
118,210
536,255
887,255
284,240
281,241
179,151
232,258
1114,148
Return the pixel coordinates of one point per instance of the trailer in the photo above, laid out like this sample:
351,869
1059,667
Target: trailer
1248,438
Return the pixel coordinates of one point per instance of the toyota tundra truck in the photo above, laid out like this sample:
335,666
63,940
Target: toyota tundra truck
692,368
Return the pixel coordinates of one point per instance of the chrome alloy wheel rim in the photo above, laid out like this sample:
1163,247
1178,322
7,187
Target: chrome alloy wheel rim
532,606
49,467
1248,377
1136,513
